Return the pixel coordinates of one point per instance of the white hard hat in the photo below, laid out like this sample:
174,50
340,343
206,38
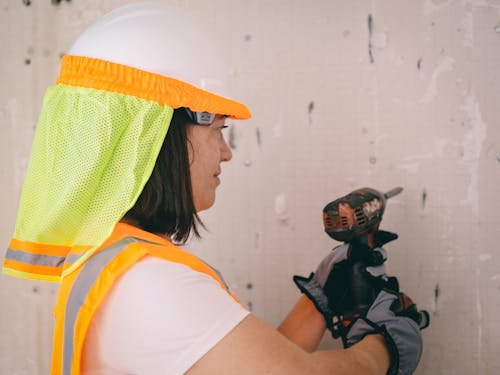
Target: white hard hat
156,38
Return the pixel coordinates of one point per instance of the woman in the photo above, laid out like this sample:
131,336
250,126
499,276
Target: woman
128,150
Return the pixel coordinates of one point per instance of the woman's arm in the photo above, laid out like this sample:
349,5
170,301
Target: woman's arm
253,347
304,325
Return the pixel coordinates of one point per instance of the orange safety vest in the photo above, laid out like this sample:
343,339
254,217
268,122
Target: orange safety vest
83,290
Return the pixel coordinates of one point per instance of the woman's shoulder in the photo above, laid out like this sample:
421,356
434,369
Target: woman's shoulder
156,304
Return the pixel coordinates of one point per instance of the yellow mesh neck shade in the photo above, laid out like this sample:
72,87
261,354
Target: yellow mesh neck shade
97,139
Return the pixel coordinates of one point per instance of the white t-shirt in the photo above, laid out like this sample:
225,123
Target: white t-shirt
159,318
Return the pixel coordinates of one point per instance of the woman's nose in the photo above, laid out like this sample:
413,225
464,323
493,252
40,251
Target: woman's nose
226,153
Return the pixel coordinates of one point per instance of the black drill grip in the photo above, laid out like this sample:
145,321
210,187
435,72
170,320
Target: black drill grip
363,290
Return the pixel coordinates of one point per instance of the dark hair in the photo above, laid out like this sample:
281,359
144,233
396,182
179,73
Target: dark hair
166,203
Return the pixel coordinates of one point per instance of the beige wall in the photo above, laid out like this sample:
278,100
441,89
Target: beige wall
422,112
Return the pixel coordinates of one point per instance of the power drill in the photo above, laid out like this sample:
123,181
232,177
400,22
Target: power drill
355,218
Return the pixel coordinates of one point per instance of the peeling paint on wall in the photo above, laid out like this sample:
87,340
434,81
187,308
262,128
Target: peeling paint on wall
447,64
484,257
370,36
281,209
10,115
278,126
57,2
468,29
434,6
411,163
436,294
492,152
472,143
310,110
256,242
479,312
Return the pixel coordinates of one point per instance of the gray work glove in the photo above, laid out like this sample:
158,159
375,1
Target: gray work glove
400,329
328,286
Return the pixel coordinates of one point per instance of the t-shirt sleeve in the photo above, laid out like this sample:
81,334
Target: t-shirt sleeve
159,318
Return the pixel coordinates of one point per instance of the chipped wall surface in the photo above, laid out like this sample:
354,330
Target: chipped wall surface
344,94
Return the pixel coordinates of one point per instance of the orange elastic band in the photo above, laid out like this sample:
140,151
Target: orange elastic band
109,76
11,264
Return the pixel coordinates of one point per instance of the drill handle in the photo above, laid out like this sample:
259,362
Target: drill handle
363,289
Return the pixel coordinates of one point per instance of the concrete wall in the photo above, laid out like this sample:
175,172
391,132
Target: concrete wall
344,94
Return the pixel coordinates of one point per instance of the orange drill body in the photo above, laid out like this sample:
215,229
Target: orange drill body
357,215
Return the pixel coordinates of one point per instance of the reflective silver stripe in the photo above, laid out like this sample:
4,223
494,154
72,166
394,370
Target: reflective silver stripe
83,283
72,258
34,259
218,274
202,261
